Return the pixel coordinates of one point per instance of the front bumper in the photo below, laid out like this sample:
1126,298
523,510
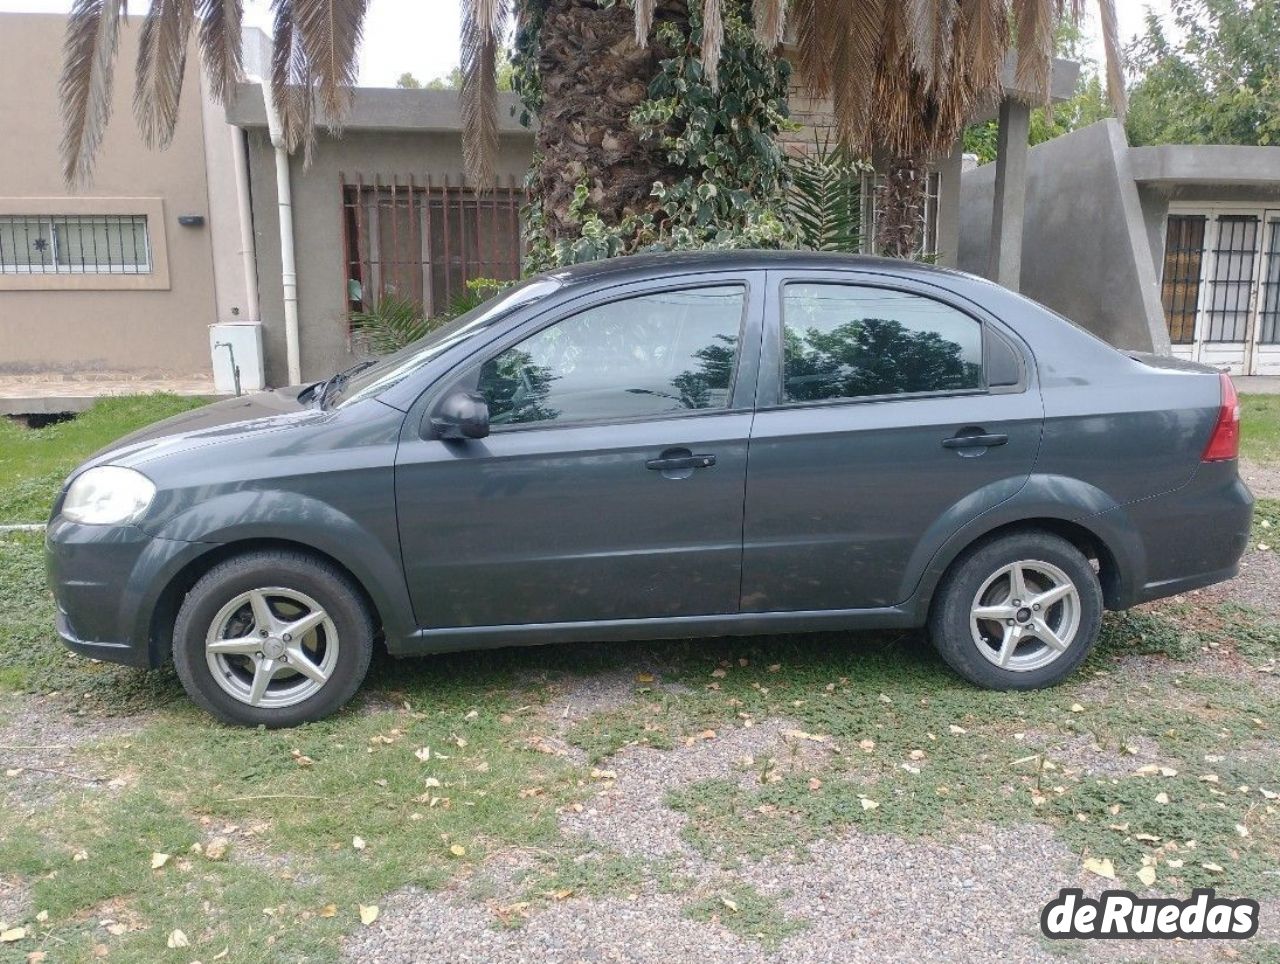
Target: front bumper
107,582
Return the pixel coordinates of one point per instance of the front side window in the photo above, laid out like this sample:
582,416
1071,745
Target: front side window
84,244
651,355
847,341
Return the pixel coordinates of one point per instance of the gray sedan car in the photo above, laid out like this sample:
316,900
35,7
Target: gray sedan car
668,446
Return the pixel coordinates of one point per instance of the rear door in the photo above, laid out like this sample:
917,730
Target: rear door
879,431
611,486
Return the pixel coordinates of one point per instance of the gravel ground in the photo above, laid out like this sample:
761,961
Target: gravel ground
38,739
1264,480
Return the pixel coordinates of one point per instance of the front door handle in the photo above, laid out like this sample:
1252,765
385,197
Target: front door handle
975,441
678,462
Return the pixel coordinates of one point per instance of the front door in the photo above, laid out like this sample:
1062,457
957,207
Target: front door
877,437
1221,286
611,485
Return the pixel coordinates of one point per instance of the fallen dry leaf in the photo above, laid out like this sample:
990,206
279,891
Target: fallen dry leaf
329,910
732,905
868,803
1162,797
12,934
423,753
815,783
644,678
177,939
956,730
1102,866
368,914
458,850
1147,875
358,843
158,860
217,848
1212,868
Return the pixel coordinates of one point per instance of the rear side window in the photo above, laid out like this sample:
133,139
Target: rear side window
849,341
651,355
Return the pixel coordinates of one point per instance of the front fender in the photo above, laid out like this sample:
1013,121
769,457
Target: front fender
368,547
1049,498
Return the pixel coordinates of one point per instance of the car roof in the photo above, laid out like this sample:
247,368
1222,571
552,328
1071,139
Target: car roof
640,266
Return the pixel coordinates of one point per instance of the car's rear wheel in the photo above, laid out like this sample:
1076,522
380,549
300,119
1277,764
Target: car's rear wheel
1021,611
272,638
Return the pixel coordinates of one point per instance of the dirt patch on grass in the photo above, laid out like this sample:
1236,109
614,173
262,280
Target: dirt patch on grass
628,813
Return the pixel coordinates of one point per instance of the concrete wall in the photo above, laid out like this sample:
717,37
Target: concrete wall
138,324
317,223
1086,252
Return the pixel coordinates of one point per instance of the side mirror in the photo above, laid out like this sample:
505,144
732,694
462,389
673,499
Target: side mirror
462,415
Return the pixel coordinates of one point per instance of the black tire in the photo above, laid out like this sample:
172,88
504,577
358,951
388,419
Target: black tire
951,630
296,571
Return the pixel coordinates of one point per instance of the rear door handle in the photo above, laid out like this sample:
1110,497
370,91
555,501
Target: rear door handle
678,462
975,441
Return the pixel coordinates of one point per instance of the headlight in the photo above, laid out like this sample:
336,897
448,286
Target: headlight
108,495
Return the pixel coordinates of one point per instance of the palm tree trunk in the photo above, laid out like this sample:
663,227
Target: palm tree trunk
900,208
592,75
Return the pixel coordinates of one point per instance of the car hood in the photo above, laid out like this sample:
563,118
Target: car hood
256,412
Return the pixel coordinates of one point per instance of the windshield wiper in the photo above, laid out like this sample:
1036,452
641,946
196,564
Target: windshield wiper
328,388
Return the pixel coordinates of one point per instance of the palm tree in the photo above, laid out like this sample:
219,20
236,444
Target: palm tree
903,74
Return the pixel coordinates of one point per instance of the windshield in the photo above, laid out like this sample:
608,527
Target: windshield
399,365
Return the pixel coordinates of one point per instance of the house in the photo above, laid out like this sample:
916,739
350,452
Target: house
118,283
223,243
1173,249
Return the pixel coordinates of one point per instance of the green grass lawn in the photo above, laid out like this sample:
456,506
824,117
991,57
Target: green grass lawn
1260,428
34,462
933,755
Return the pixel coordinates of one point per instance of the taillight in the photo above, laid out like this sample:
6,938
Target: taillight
1224,443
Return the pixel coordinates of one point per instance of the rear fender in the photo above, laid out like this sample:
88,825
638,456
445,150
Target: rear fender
1049,499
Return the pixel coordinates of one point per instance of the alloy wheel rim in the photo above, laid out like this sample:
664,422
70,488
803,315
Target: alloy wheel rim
272,647
1025,616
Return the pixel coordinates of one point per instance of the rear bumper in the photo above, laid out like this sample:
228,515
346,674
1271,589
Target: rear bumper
1193,537
107,582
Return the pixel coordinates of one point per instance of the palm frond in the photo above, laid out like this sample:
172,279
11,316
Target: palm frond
218,36
291,85
712,40
483,26
644,21
860,31
770,21
89,53
1035,20
1115,57
162,61
825,198
814,45
330,32
922,29
986,38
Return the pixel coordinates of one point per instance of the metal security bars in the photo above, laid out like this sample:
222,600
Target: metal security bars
1180,291
1231,284
1269,313
74,244
423,239
928,250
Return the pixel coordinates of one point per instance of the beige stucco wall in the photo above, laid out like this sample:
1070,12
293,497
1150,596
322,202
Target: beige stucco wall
148,326
317,224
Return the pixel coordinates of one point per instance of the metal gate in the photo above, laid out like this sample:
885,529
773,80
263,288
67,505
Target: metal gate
1221,286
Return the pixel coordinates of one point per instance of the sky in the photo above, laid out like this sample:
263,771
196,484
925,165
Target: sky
421,36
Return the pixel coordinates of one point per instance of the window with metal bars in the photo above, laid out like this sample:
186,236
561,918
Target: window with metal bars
1231,283
1269,312
928,214
423,241
1180,287
74,244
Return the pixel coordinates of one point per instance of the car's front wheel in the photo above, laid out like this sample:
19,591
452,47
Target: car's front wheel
1021,611
272,638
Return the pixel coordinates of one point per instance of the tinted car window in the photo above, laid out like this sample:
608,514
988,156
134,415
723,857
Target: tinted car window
653,354
846,341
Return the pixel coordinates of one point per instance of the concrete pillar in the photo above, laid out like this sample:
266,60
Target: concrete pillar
1010,195
949,206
